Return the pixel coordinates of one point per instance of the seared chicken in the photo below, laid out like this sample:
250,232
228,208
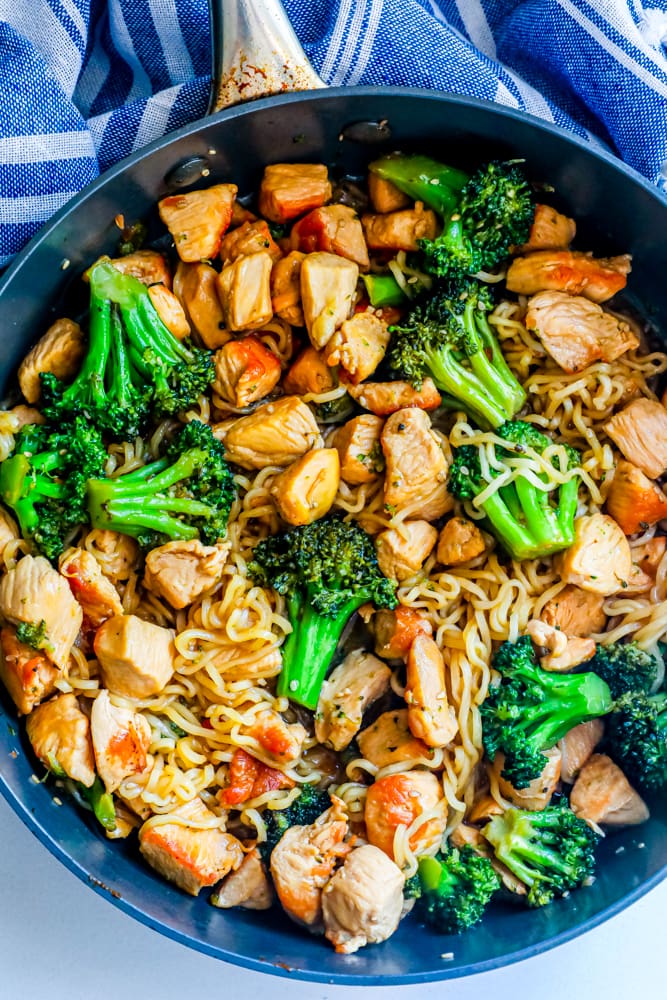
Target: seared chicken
27,673
9,531
245,371
398,800
286,288
307,488
274,434
117,554
561,652
358,346
388,740
249,778
576,332
244,288
281,741
59,351
603,795
385,196
249,237
538,794
550,230
121,739
328,287
180,572
599,560
400,230
197,220
402,552
416,466
334,229
639,431
634,501
568,271
430,717
359,449
97,595
363,901
135,656
169,309
247,887
575,612
310,373
383,398
196,285
396,630
290,189
577,746
147,266
459,541
346,694
60,736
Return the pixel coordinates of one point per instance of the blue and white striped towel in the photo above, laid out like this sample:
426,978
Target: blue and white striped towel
83,83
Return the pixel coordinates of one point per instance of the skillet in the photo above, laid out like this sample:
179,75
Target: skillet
616,211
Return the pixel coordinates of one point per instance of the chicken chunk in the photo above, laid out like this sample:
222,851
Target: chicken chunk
274,434
26,672
197,220
358,346
639,431
32,593
171,312
430,717
302,863
402,552
250,778
383,398
416,466
603,795
388,740
135,656
328,287
560,651
290,189
97,596
187,855
400,230
634,501
9,531
147,266
346,694
398,800
60,351
599,560
385,196
286,288
247,887
244,288
310,373
281,741
333,229
568,271
180,572
575,612
249,237
59,733
396,630
245,371
305,491
551,230
459,541
116,554
196,286
359,449
576,332
538,794
363,901
121,739
577,746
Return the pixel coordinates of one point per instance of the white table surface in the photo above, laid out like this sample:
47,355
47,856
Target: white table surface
61,941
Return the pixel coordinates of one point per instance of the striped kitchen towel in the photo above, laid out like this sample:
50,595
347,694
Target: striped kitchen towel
83,83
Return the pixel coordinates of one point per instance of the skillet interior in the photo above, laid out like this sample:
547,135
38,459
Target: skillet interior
616,212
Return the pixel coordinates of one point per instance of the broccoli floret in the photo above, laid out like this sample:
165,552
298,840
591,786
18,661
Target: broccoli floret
531,709
528,521
186,494
33,634
551,850
625,667
326,570
305,809
455,889
334,411
636,738
44,481
447,336
423,179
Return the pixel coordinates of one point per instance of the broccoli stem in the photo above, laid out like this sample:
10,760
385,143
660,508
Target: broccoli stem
423,179
101,802
468,390
383,290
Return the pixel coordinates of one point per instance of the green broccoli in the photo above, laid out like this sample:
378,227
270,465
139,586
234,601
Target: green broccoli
531,709
334,411
327,570
454,889
625,667
186,494
527,520
383,290
305,809
423,179
100,801
636,738
551,850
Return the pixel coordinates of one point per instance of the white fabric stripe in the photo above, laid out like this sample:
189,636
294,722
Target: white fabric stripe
612,12
33,207
350,43
155,118
75,16
505,96
95,74
336,38
176,55
534,102
474,18
141,85
367,44
35,20
97,127
48,146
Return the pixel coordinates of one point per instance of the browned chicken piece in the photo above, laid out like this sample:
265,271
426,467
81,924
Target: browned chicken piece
291,189
358,346
9,531
402,552
363,901
388,740
307,488
385,196
247,887
275,433
576,332
245,371
638,582
416,466
383,398
310,373
577,746
639,431
603,795
599,560
359,449
180,572
346,694
328,287
187,855
464,835
26,672
59,351
196,285
333,229
400,230
59,733
484,809
33,592
241,214
538,794
250,237
397,800
396,630
430,716
460,541
303,861
197,220
560,652
97,595
568,271
244,288
575,612
635,501
135,656
22,416
648,556
281,741
170,311
286,288
121,739
147,266
117,554
551,230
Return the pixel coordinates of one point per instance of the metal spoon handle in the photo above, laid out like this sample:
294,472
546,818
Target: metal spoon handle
255,53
